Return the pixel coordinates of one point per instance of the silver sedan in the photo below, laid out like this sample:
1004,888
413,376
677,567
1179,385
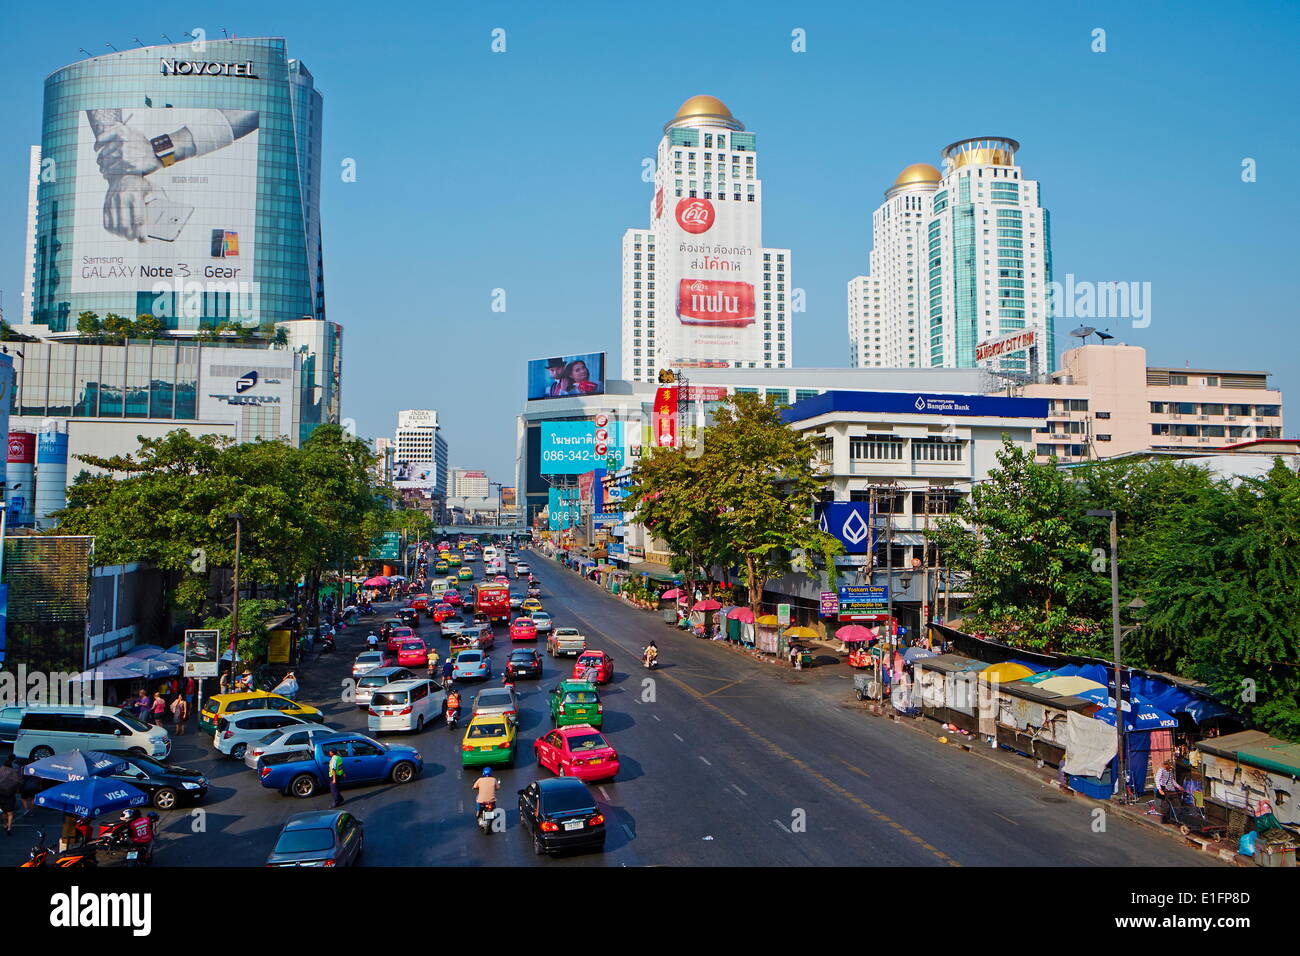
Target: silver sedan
293,737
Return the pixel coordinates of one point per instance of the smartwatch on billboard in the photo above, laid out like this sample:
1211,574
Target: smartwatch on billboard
164,149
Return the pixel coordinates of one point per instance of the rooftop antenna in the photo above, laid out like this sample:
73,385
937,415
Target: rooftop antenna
138,40
1104,335
113,48
1083,331
225,33
167,38
85,51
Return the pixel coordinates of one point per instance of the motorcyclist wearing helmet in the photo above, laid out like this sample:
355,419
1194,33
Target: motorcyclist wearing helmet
650,653
453,705
485,790
372,640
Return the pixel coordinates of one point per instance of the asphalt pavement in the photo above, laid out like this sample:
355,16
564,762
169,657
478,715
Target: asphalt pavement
726,761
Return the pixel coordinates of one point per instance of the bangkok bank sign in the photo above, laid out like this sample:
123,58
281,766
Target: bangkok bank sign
713,302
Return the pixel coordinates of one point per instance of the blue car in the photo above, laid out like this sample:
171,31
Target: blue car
472,665
303,773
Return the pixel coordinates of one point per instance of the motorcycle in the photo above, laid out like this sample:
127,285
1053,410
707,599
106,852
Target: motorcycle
327,645
649,661
453,718
81,857
117,836
487,816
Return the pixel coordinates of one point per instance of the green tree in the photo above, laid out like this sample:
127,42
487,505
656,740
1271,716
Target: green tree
89,326
747,498
147,326
1020,537
116,327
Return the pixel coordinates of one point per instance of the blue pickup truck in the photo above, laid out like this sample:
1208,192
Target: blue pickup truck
301,773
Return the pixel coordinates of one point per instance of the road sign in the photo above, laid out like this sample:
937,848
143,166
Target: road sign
386,546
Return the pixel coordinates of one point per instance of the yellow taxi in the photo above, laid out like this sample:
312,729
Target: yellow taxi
530,605
453,559
489,740
222,705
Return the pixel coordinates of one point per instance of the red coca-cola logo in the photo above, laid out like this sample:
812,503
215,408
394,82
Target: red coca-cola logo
710,302
695,215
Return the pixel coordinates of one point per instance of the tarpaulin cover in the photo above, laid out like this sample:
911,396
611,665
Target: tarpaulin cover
1036,668
1148,718
1176,700
1089,745
1092,672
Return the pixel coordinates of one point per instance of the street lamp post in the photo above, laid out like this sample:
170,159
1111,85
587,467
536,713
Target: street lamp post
1117,640
234,604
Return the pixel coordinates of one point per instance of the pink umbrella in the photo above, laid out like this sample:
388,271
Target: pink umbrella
741,614
378,581
708,604
671,593
853,633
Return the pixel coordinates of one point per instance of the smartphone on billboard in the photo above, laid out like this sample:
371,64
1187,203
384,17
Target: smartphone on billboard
165,218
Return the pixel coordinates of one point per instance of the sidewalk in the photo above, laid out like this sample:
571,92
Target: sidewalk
833,681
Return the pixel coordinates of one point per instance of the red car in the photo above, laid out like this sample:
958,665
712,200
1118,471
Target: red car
578,750
523,629
442,612
397,637
413,654
451,597
420,602
502,579
603,663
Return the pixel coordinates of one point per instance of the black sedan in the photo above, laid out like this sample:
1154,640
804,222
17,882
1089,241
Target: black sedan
410,617
524,662
319,838
167,785
561,814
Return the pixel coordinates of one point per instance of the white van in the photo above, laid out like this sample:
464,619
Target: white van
489,554
405,705
46,731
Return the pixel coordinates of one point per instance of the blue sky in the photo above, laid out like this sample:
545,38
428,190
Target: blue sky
520,170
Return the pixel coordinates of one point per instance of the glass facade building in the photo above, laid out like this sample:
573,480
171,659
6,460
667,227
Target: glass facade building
181,181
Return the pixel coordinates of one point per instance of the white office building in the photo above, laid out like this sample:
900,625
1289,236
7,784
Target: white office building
699,288
958,258
420,453
466,483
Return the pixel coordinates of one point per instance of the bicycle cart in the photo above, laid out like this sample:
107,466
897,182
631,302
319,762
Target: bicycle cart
865,687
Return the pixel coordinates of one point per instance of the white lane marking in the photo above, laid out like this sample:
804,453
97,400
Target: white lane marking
739,791
784,827
603,792
657,717
462,806
706,761
679,738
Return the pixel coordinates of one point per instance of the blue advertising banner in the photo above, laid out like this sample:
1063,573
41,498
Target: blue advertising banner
918,403
570,448
849,521
562,508
863,601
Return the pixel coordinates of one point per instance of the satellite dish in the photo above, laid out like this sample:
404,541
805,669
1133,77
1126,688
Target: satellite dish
1104,335
1083,331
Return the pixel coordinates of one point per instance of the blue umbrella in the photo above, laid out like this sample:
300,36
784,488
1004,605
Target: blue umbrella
75,765
120,669
913,654
150,667
1147,718
92,797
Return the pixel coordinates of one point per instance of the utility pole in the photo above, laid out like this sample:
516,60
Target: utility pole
1121,782
234,603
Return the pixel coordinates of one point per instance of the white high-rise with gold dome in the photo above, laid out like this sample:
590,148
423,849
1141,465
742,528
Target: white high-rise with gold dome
958,258
699,288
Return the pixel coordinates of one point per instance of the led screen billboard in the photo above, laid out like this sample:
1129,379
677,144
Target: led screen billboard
166,202
565,375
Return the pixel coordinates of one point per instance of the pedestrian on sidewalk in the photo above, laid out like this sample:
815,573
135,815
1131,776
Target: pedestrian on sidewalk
336,774
142,706
158,708
180,712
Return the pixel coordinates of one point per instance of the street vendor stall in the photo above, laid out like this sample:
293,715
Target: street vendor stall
1250,768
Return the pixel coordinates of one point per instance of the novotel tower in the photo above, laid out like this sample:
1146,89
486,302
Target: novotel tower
699,288
182,182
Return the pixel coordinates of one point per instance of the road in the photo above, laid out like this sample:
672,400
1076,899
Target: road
726,761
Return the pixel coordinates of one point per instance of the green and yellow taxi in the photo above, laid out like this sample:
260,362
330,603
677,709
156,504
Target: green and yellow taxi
576,702
489,740
465,574
441,567
453,559
222,705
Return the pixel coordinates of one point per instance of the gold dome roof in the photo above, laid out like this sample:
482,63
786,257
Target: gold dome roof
704,110
918,173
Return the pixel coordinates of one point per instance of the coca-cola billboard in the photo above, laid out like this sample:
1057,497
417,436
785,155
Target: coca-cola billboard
695,215
714,302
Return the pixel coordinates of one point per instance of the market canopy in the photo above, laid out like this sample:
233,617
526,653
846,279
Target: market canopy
672,593
805,632
75,765
378,581
1068,686
91,797
913,654
708,604
743,614
853,633
1005,673
767,620
1147,718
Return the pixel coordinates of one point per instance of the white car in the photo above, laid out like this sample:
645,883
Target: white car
522,570
405,705
367,684
451,626
288,737
367,661
236,731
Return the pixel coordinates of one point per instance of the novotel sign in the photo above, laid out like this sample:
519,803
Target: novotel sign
174,67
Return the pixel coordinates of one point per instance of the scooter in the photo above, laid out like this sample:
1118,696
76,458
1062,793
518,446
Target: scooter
327,645
81,857
487,817
649,661
453,718
117,836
